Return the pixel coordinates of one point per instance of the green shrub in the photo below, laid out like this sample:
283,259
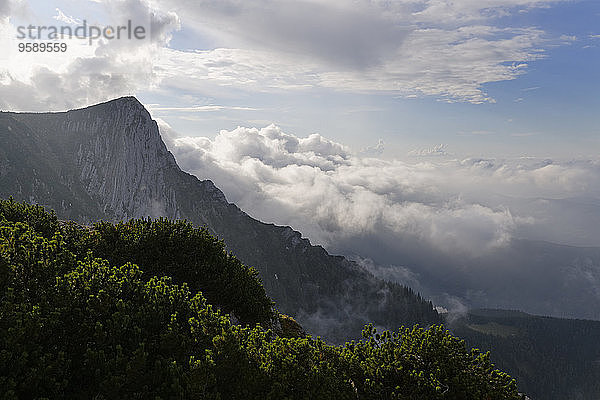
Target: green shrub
77,326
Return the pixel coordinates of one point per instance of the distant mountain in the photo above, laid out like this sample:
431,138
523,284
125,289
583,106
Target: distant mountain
554,359
538,277
109,162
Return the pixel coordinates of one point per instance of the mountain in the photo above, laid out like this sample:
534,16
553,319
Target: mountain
109,162
537,277
553,358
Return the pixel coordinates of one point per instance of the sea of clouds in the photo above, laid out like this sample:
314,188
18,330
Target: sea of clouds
444,226
329,192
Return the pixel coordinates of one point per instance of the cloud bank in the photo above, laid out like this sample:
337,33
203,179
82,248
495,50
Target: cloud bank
448,50
328,192
453,229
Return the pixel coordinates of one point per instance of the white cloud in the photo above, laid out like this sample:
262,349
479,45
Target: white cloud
568,38
437,150
321,188
207,108
373,151
448,50
437,48
474,10
86,73
13,8
450,64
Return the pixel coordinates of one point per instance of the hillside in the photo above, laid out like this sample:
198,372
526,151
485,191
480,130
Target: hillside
77,326
554,358
109,162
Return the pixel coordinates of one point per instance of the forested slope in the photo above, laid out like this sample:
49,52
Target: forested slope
554,358
78,326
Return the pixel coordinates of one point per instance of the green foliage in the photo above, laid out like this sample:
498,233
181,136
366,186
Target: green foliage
43,222
187,254
554,358
299,368
423,364
76,326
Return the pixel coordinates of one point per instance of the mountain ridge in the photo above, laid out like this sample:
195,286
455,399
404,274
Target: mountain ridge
109,161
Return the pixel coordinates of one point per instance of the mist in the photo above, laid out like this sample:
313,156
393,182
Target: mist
486,232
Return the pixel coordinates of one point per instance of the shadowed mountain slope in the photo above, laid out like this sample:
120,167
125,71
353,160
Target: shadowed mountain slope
109,162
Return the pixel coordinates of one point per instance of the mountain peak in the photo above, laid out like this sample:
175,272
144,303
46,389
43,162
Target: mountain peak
127,99
119,100
129,104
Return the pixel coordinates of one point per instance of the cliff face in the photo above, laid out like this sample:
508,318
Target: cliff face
115,152
109,162
123,162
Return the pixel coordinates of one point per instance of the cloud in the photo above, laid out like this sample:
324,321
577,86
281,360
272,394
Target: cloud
411,48
331,32
330,194
61,17
568,38
448,64
438,150
392,273
194,109
13,8
85,74
373,151
443,49
454,309
460,231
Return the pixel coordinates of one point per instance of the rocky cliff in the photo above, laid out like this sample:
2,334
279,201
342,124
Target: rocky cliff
115,153
109,162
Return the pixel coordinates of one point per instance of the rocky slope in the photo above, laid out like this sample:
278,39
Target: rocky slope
109,162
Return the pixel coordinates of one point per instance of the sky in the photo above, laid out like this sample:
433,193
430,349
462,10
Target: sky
455,125
489,78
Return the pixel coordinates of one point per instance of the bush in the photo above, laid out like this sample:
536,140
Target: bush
77,326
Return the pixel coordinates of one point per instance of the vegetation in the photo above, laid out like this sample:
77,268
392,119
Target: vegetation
80,319
553,358
188,255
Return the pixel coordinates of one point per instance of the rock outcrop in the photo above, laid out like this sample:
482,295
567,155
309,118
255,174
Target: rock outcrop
109,162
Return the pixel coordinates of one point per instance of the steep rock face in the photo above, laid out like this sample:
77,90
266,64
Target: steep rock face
115,152
109,162
31,170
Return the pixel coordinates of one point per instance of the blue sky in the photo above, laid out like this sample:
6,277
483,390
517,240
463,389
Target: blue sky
550,110
322,74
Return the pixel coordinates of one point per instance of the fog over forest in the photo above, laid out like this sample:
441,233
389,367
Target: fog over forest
431,216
